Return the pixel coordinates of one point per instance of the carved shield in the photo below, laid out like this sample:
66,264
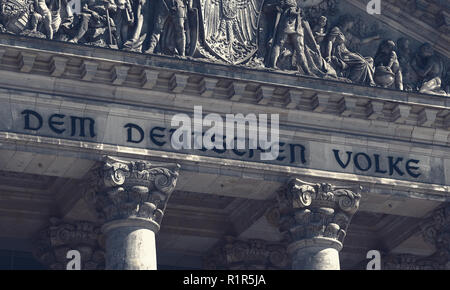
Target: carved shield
230,28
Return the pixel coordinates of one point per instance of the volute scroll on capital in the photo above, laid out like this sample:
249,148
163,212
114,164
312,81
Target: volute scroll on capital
121,189
304,194
310,211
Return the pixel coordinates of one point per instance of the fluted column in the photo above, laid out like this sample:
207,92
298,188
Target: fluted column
252,254
314,219
130,198
53,243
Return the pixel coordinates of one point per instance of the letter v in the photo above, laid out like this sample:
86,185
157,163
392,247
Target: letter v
338,159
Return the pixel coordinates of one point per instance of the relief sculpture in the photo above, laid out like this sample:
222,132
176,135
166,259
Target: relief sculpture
311,38
230,28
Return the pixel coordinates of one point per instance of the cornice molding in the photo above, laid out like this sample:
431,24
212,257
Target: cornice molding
168,76
435,192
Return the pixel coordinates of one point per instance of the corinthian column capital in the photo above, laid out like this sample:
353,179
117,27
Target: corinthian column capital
436,231
318,210
137,190
54,242
130,198
314,218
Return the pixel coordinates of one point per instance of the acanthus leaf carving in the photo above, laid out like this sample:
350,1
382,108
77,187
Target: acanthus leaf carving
309,210
131,189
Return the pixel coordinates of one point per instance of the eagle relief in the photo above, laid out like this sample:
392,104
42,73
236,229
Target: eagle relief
230,28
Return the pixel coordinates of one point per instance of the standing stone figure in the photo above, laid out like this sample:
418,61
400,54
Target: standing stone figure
174,11
134,15
404,59
319,29
290,29
387,65
268,21
351,64
124,19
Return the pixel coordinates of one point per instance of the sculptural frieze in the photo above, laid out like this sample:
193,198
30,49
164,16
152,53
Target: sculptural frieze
302,37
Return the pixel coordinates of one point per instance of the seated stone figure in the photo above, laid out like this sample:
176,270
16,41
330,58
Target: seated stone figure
446,83
433,87
350,64
92,25
387,67
429,69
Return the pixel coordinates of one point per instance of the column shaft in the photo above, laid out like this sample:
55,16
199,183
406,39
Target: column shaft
315,258
130,248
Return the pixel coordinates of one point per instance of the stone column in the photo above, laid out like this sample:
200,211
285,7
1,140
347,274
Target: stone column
253,254
130,198
314,220
54,242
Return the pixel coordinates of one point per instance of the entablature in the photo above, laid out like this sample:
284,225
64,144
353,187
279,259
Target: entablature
172,83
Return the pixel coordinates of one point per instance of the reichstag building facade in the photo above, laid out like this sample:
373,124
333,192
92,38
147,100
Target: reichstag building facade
91,178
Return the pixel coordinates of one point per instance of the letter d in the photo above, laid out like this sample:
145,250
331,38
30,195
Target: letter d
27,114
130,127
374,7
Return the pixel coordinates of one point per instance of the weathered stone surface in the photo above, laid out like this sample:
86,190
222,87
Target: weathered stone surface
130,198
314,219
130,248
236,254
436,231
53,243
261,35
131,189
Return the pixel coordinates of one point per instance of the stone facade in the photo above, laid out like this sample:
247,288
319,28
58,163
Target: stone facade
86,120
